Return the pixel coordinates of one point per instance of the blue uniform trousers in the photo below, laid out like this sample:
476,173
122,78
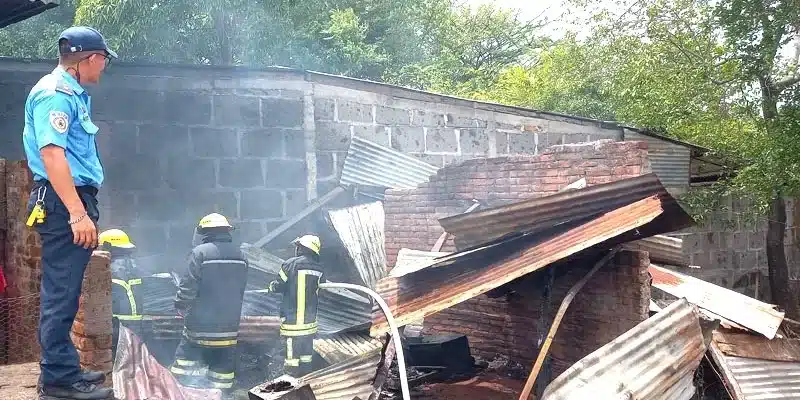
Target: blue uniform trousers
63,266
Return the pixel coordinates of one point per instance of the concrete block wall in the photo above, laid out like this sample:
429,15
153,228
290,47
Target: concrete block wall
505,325
92,329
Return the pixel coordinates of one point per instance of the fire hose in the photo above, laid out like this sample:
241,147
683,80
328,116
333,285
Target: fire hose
398,344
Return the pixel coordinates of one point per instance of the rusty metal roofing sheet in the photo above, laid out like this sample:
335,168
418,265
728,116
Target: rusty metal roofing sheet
341,347
430,290
357,377
361,230
655,360
748,345
409,261
540,213
371,164
755,379
746,311
13,11
662,249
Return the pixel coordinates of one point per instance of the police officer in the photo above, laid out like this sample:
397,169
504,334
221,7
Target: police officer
126,296
59,141
300,277
210,298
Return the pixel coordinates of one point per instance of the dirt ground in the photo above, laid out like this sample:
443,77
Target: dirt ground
483,387
18,382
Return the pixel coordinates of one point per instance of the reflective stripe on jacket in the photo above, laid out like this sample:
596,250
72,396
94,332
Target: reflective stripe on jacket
300,278
210,294
124,304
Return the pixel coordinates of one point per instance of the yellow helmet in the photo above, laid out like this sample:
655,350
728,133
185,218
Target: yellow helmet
310,242
214,220
115,238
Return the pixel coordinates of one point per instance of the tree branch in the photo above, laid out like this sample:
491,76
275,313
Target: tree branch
787,83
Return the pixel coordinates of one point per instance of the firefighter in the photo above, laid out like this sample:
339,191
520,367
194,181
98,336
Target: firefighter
210,298
126,282
300,277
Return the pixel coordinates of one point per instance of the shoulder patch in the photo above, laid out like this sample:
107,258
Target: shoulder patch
59,120
63,87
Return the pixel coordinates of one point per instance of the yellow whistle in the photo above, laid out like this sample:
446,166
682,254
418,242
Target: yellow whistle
40,217
35,214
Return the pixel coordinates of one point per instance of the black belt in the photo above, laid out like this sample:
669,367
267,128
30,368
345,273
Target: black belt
86,189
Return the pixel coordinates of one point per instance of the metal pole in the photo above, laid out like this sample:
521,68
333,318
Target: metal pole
537,366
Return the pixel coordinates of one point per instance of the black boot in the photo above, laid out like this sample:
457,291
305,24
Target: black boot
95,377
80,390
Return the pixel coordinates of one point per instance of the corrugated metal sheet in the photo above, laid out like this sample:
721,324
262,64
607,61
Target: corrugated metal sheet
341,347
662,249
359,376
746,311
409,261
13,11
754,379
670,161
370,164
655,360
472,273
361,230
541,213
260,259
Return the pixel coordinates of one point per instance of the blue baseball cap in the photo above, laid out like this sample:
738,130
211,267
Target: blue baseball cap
84,38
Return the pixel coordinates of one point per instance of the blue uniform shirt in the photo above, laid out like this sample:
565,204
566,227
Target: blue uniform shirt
57,112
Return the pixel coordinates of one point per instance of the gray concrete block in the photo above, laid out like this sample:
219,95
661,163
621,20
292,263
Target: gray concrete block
213,142
521,143
571,138
502,143
150,240
191,108
236,111
282,113
182,173
332,136
427,118
441,140
324,109
474,141
392,116
134,172
375,134
121,140
164,140
408,139
463,121
161,205
263,143
286,174
129,105
249,231
326,165
261,204
241,173
432,159
203,202
294,142
756,240
295,201
354,112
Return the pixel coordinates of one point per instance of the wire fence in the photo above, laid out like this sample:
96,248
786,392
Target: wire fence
19,320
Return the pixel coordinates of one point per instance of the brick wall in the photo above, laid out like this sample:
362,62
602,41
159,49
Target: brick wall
412,214
615,300
22,270
92,330
505,325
